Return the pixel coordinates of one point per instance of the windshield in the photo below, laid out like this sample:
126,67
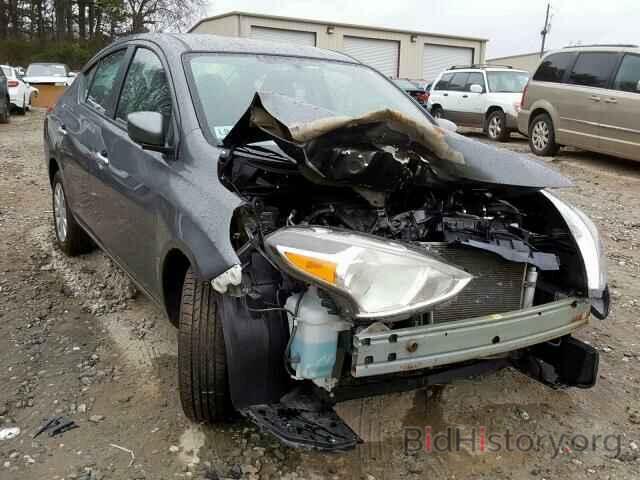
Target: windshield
225,85
46,70
507,82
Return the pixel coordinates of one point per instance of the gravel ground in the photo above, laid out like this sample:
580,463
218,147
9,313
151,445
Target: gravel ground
77,340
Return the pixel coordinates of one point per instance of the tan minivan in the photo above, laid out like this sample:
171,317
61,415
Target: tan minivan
585,97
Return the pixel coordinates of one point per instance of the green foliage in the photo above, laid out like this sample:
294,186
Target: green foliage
23,52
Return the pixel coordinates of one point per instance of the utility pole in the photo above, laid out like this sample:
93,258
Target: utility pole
545,30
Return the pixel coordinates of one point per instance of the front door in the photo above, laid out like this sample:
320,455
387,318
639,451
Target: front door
126,181
580,105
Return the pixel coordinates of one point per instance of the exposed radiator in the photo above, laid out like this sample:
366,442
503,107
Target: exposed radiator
497,286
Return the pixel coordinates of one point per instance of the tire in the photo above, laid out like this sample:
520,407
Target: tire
202,357
437,112
70,236
542,137
497,126
5,111
23,110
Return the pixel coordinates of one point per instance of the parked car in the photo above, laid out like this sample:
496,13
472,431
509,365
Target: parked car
486,97
5,101
586,97
313,233
49,73
412,89
20,93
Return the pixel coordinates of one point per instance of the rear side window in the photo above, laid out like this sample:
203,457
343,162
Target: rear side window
554,67
593,69
443,84
104,80
475,78
146,88
628,77
458,82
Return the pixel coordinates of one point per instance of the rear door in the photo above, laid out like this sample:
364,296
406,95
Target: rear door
84,126
440,92
581,106
621,111
473,105
126,180
457,88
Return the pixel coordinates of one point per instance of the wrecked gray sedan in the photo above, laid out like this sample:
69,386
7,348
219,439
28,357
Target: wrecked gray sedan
315,235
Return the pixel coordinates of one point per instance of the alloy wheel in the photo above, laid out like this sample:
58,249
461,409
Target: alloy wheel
540,135
60,212
495,127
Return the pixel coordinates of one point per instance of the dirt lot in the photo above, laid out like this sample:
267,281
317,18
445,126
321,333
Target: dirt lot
77,340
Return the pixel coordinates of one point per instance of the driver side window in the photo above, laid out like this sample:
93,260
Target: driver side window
146,88
104,80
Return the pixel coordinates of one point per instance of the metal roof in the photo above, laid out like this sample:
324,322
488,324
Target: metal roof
188,42
335,24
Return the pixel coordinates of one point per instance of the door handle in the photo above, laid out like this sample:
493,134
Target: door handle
465,96
610,100
595,98
102,158
445,94
62,130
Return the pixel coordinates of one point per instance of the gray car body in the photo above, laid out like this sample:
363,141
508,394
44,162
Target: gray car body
143,206
154,212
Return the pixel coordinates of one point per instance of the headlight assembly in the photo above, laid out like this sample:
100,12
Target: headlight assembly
377,278
586,236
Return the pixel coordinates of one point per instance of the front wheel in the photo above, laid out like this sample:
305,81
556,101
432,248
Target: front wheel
437,112
202,356
542,137
497,126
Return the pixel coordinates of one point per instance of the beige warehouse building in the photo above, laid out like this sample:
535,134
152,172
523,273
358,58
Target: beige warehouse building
525,61
396,53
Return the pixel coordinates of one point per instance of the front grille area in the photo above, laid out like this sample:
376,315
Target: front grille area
496,288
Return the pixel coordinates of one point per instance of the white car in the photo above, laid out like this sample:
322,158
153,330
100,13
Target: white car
482,96
49,73
20,93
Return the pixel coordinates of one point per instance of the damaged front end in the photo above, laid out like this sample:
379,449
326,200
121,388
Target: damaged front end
381,253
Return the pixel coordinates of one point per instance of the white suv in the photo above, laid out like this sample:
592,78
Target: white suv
483,96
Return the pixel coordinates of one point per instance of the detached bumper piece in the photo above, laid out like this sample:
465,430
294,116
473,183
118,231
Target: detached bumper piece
302,420
566,363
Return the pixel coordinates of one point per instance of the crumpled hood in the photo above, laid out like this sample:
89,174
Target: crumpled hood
317,133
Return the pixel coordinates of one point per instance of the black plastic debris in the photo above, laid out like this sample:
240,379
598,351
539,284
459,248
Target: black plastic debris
56,426
302,420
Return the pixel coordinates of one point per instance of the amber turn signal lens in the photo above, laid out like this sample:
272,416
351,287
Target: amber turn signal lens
321,269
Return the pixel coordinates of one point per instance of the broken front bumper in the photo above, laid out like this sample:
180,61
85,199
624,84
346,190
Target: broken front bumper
434,345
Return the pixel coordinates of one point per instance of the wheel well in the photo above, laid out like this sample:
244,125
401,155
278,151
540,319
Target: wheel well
53,169
436,105
174,270
537,112
492,109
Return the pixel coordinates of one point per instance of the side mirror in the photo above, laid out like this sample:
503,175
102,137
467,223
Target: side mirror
475,88
71,74
147,129
447,125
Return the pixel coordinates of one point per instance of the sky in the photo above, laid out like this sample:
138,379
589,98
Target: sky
512,26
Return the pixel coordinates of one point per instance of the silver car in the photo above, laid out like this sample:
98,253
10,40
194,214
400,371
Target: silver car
586,97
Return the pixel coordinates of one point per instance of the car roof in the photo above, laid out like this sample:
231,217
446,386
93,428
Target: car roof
485,69
197,42
599,48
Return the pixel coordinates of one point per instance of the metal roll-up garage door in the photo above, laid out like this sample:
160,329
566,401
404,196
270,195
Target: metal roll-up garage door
383,55
437,58
293,37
